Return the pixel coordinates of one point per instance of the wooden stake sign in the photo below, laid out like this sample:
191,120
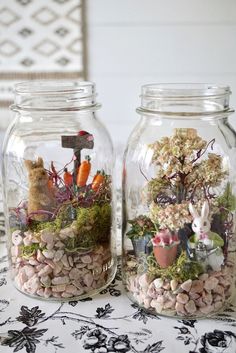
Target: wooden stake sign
78,142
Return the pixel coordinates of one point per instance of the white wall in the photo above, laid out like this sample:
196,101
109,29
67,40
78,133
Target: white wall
133,42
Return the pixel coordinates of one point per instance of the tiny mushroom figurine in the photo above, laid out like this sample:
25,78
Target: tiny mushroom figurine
212,241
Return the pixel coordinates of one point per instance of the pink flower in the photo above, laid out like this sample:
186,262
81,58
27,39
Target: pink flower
165,238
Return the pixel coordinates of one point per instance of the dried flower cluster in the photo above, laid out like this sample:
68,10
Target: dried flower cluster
172,217
186,172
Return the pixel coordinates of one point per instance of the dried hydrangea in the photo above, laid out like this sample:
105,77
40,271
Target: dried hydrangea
172,216
178,150
208,172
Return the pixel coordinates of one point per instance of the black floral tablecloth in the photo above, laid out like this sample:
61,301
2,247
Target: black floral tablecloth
109,322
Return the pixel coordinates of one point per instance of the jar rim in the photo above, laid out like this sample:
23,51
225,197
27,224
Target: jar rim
55,95
53,87
184,99
183,90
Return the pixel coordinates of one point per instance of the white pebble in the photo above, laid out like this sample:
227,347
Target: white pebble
49,254
66,232
80,265
207,309
59,288
58,267
186,286
58,255
143,281
15,250
50,246
56,295
39,267
64,260
16,237
32,285
70,288
211,283
179,308
51,263
46,270
40,292
173,284
86,259
70,260
46,281
59,245
97,270
27,241
60,280
158,282
47,236
182,298
190,307
66,295
47,292
75,273
29,271
88,279
33,262
40,256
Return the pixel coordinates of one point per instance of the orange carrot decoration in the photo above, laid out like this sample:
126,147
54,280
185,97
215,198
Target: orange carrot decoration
83,172
50,183
68,178
98,180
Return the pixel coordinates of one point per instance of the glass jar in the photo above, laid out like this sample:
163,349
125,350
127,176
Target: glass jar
179,201
58,192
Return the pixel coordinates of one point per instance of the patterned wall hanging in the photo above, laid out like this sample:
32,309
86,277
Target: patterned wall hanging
40,39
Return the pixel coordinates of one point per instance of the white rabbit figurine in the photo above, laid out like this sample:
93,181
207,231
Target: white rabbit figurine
212,241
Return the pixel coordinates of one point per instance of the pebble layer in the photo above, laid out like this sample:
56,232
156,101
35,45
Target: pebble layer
53,272
192,298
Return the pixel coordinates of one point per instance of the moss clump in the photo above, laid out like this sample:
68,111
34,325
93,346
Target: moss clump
54,226
227,200
181,270
94,222
93,226
29,250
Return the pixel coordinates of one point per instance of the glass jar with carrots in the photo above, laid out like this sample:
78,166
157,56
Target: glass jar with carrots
59,199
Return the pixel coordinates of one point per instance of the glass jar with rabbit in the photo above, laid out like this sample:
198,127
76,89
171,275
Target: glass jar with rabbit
182,154
57,174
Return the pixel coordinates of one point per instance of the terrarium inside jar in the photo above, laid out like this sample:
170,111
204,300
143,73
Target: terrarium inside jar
58,163
179,173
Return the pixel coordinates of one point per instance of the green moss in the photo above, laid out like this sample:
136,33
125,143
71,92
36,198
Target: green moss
93,226
94,223
227,200
29,250
182,270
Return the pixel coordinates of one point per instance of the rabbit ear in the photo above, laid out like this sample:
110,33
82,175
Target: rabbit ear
39,163
193,211
205,210
29,164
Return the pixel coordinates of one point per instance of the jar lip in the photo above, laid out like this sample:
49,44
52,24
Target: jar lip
55,96
53,87
184,99
183,90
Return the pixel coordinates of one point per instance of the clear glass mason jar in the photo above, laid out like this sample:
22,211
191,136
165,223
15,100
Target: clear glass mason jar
179,201
59,192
